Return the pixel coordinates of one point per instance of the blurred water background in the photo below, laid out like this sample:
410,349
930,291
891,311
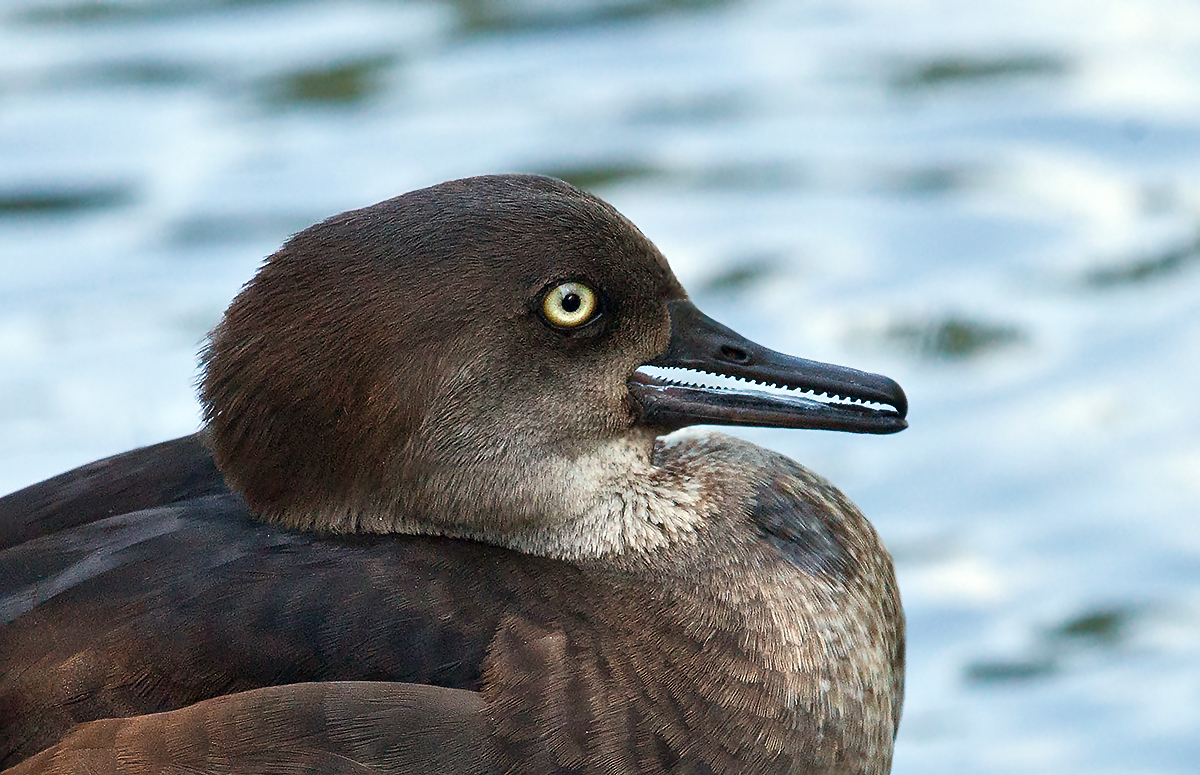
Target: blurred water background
997,203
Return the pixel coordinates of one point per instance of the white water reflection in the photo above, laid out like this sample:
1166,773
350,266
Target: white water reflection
998,204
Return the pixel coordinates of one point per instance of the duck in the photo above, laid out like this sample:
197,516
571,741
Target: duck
448,513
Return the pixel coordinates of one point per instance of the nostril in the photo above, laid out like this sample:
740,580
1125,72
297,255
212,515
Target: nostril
734,354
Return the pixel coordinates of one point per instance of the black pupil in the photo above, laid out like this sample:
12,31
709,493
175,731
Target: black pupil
571,302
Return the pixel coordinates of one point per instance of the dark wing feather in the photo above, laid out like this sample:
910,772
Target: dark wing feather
159,609
333,728
144,478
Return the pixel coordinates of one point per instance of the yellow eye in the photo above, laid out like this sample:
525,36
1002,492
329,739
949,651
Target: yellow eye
569,305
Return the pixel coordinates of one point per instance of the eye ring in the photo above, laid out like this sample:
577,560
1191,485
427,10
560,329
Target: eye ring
570,305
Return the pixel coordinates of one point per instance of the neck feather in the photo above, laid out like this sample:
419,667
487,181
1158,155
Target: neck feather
624,495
